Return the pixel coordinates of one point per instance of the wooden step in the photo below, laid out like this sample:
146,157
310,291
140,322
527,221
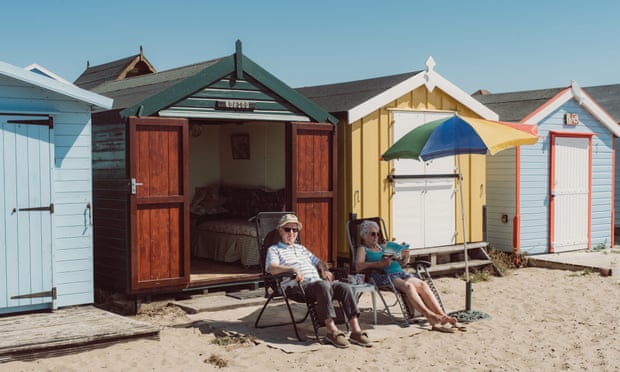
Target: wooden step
455,267
449,259
446,249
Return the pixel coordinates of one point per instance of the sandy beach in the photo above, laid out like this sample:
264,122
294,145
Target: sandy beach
539,319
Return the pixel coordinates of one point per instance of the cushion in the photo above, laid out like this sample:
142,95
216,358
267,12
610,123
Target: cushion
207,200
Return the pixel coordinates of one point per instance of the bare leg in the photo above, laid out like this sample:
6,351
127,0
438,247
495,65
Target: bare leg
414,299
429,298
330,325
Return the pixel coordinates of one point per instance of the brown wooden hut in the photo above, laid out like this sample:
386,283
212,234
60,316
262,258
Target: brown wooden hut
205,144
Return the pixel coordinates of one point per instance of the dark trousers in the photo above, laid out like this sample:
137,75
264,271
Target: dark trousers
323,292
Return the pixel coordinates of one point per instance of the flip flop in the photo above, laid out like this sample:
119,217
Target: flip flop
461,328
443,328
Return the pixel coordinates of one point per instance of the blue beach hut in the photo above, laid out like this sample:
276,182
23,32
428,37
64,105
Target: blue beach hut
46,248
557,195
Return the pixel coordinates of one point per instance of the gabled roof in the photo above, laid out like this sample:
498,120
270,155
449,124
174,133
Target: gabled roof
200,90
131,91
59,87
359,98
533,106
116,70
36,68
608,96
514,106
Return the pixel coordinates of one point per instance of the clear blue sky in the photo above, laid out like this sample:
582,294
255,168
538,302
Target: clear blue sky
491,44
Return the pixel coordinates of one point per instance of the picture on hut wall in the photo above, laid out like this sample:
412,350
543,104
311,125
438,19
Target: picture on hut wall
240,144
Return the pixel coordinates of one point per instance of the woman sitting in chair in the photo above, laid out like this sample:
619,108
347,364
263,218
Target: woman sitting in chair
417,292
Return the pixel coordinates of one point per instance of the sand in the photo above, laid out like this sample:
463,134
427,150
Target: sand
540,319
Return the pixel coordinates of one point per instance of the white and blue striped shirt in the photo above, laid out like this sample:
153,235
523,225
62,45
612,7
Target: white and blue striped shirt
296,256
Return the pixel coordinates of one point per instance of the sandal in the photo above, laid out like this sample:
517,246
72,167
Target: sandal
443,328
338,339
360,338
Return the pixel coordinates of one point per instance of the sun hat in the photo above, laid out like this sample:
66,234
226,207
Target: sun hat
289,218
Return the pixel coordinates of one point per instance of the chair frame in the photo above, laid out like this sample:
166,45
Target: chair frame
266,223
418,268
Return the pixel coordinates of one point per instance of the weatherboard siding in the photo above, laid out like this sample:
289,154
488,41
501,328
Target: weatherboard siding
73,264
501,198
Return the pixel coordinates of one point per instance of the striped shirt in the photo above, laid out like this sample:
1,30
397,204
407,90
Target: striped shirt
296,256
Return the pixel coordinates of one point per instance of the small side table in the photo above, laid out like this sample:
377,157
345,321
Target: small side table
367,287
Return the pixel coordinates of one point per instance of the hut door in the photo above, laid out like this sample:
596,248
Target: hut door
570,193
423,201
26,161
159,204
312,180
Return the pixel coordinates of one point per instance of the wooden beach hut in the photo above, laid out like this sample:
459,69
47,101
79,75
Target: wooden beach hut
608,97
46,246
187,157
416,199
557,195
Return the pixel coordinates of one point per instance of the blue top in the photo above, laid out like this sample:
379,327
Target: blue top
372,256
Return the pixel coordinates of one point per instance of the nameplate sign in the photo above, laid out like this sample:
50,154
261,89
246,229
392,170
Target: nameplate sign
235,105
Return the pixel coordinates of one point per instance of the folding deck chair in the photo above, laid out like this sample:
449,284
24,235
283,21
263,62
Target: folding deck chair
268,235
418,268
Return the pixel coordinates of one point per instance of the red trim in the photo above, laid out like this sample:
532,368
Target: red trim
516,222
549,102
552,136
613,193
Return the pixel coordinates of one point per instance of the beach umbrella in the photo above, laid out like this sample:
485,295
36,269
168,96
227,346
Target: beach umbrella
459,135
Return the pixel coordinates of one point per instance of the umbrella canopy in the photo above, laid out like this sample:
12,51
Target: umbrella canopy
460,135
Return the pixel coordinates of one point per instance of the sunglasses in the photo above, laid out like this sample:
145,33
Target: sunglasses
289,229
373,233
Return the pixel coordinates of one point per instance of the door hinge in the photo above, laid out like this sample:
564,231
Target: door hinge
51,294
34,209
47,122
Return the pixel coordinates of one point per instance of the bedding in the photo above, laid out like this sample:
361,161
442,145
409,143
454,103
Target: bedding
223,228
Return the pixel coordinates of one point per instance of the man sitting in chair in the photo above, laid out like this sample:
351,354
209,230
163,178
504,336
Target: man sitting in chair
317,282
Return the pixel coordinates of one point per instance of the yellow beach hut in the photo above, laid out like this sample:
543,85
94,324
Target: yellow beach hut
416,199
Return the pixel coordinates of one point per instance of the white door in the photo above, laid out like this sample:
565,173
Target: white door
26,214
570,193
423,200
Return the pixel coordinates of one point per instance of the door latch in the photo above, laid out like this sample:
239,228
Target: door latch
134,185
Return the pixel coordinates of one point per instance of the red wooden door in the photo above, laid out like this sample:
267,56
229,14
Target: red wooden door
312,183
159,203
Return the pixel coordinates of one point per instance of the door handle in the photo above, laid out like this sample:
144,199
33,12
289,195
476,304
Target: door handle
134,185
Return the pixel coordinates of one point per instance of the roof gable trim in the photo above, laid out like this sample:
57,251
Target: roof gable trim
574,91
235,64
181,90
431,80
53,85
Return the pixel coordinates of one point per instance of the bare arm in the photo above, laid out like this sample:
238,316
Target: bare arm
276,269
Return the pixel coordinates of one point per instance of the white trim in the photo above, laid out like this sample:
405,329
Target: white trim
431,79
583,99
46,72
68,90
231,115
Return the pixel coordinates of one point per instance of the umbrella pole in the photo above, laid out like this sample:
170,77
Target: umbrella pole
468,288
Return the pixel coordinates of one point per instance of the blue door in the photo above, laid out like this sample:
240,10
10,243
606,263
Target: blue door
26,160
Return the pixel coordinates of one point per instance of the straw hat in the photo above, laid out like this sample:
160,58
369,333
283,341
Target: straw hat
289,218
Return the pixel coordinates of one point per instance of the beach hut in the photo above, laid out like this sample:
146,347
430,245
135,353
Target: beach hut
183,162
416,199
46,246
608,97
557,195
